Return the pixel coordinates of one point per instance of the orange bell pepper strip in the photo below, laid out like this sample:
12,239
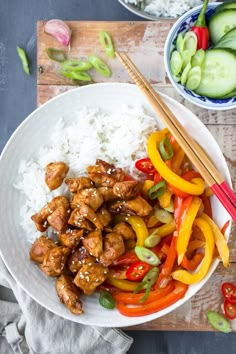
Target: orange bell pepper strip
224,227
188,176
157,305
220,240
192,278
195,244
207,204
185,229
168,265
195,187
134,299
177,160
193,263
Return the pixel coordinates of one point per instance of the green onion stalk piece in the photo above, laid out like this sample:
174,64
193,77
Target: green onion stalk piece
56,54
24,60
107,44
99,65
148,281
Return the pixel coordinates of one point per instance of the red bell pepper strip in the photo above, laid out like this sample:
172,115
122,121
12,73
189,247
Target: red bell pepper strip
168,265
134,299
224,227
229,292
157,177
127,258
180,214
200,28
145,165
193,263
229,310
156,305
137,270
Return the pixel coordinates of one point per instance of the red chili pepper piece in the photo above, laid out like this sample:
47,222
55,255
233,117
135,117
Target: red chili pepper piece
229,292
137,270
145,165
200,28
230,310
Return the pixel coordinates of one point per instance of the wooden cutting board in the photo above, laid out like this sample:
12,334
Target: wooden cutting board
144,42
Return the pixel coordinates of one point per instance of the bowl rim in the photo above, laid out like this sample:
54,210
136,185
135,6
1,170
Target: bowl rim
168,42
115,85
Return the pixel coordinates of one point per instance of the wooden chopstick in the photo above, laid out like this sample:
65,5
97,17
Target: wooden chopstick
195,153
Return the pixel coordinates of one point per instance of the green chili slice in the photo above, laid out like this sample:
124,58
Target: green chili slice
218,322
147,256
56,54
152,240
106,300
157,190
76,75
148,281
24,60
76,65
107,44
99,65
165,149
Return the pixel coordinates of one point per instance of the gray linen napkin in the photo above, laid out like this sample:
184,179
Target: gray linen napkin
28,328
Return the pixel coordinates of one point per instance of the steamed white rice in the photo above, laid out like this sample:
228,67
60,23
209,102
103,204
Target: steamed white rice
165,8
119,137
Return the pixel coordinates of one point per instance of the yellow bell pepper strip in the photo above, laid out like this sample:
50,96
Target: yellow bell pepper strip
185,230
148,184
138,225
177,160
122,284
195,187
165,199
220,240
192,278
165,229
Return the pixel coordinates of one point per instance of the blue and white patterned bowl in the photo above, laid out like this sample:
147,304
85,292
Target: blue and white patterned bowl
183,24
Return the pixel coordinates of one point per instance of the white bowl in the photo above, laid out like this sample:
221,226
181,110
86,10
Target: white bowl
183,24
25,143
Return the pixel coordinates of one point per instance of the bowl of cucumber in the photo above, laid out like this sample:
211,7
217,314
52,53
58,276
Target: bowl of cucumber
200,55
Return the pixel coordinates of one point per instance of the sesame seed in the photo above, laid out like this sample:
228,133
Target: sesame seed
62,287
87,278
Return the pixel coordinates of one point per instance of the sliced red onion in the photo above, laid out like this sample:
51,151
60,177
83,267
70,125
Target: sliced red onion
60,30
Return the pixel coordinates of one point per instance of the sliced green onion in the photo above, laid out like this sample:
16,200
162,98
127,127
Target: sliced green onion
184,75
107,44
76,75
165,149
99,65
76,65
190,42
24,60
148,281
56,54
180,42
147,256
186,57
106,300
218,322
175,63
157,190
163,215
198,58
152,240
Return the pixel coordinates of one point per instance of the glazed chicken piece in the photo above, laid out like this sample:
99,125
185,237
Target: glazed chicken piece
105,174
78,258
71,238
107,193
55,174
78,220
59,218
93,243
89,277
104,216
69,294
40,247
137,206
84,212
54,262
89,196
113,248
78,183
127,189
125,230
40,219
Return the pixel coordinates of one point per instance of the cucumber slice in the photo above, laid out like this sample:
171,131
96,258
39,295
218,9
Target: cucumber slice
180,42
218,73
198,58
175,63
193,82
228,40
186,57
185,72
190,42
221,23
228,6
230,95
